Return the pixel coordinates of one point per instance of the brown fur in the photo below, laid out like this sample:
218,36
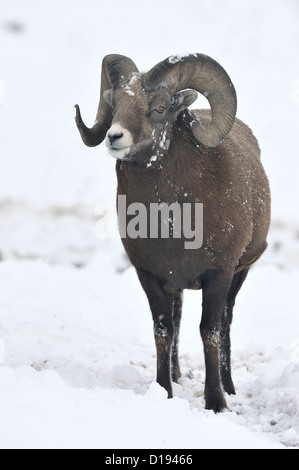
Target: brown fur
231,183
229,180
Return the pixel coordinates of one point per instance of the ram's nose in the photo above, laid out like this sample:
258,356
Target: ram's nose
114,137
118,141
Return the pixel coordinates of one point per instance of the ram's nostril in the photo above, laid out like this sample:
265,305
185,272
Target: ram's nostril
115,136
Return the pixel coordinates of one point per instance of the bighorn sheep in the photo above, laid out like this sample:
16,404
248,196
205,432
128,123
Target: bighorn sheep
167,153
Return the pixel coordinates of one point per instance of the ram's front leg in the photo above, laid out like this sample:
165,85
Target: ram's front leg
163,338
176,317
215,289
161,304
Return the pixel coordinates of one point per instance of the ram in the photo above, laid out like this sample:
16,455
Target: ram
169,154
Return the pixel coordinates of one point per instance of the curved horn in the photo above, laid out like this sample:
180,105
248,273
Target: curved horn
203,74
116,70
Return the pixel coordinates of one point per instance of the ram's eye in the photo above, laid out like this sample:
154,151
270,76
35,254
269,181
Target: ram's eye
160,109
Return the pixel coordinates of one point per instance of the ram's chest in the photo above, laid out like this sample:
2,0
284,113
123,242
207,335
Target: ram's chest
155,184
156,232
173,225
148,205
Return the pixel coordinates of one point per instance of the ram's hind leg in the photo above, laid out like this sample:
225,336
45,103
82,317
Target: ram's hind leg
161,304
225,345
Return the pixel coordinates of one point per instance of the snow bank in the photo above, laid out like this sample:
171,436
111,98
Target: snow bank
119,419
82,359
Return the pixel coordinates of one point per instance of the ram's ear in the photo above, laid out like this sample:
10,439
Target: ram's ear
182,100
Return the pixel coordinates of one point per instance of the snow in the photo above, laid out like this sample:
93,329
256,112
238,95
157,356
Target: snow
77,354
131,82
129,91
174,59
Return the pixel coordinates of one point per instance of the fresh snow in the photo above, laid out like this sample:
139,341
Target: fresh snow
77,354
80,356
174,59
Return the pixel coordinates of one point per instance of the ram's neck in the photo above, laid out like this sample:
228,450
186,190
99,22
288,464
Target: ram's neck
168,179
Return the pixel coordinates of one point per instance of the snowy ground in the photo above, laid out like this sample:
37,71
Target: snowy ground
76,341
79,353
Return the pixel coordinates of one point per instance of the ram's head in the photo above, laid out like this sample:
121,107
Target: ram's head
137,110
